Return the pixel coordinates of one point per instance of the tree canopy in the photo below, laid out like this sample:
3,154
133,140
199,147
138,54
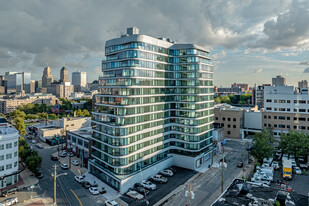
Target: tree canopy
262,147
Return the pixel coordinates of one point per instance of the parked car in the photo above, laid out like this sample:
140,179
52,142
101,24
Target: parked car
86,184
10,201
94,190
102,190
70,154
303,166
40,146
75,162
167,172
38,174
158,178
63,154
298,170
54,158
148,185
294,163
64,166
111,203
275,165
33,142
79,179
173,169
240,164
135,195
10,191
141,190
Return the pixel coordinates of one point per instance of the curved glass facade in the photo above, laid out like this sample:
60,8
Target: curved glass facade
154,101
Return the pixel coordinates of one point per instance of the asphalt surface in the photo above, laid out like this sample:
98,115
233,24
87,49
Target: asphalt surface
209,183
162,190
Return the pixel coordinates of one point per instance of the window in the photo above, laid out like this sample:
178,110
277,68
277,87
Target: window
9,146
302,102
15,164
295,101
268,108
80,142
268,100
295,110
228,119
8,156
15,154
229,126
269,125
222,125
288,109
1,168
288,118
265,116
269,117
281,101
223,119
275,109
72,125
281,126
302,127
295,127
9,166
217,118
234,119
302,119
282,109
1,157
15,144
295,118
302,110
2,147
265,125
275,125
288,126
228,132
288,101
282,117
234,126
275,101
275,117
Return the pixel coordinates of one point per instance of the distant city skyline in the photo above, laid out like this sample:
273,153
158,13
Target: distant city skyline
249,41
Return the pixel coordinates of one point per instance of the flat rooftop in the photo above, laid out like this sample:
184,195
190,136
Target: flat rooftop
84,132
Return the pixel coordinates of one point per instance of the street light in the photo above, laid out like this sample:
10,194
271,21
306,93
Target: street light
55,185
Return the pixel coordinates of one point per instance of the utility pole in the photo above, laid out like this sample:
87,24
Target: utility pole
55,178
189,193
222,173
243,156
212,156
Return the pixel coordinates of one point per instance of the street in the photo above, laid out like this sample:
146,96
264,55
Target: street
69,192
207,187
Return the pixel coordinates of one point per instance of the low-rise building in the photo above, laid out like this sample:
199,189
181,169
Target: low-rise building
8,154
58,127
78,142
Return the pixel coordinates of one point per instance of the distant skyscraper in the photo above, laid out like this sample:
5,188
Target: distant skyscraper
64,75
303,84
18,82
47,77
279,81
79,79
26,82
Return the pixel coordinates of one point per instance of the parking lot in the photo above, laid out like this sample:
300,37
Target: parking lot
299,183
162,190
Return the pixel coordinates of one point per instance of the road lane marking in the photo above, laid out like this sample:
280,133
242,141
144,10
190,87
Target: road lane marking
77,198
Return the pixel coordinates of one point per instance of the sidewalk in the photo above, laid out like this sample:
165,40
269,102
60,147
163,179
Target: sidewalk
26,179
38,202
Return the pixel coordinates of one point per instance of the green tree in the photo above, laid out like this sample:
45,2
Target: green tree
246,98
17,113
52,116
33,162
32,116
217,100
295,142
86,113
43,115
225,99
79,113
262,147
20,125
232,98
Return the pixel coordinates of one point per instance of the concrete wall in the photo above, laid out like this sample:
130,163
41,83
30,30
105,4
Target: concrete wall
253,120
146,174
184,161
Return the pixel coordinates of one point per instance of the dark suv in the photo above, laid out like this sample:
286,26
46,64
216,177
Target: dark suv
9,191
54,158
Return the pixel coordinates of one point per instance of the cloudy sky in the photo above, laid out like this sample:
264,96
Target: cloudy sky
250,40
